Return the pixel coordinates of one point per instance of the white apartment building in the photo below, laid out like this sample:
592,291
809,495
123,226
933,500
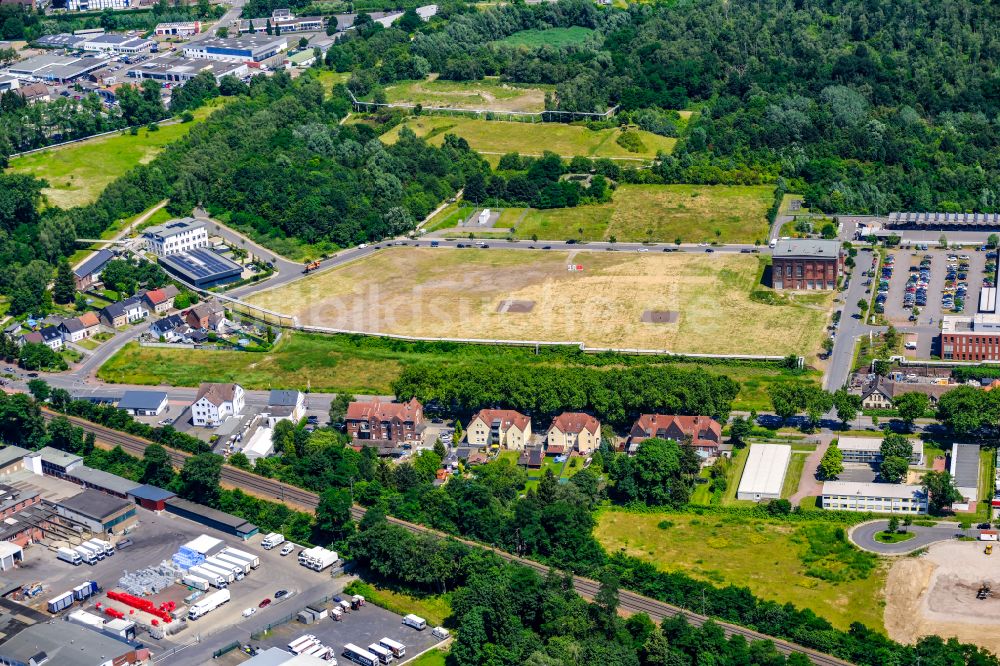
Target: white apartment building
874,497
176,236
215,403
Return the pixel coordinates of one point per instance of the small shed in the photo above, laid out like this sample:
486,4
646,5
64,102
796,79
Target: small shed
10,553
150,497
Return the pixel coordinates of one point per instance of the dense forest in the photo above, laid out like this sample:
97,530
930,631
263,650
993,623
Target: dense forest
862,108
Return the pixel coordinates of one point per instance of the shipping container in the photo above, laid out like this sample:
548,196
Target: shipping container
63,601
233,560
85,590
301,642
360,656
195,582
384,654
398,649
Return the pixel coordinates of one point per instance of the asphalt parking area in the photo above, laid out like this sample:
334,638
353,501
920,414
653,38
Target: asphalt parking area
361,627
937,282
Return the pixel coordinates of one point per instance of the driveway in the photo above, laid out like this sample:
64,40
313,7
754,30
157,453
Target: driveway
852,326
809,485
863,536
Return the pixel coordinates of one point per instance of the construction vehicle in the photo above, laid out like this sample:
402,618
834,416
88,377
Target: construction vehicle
989,549
311,266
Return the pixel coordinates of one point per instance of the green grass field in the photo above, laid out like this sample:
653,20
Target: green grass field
435,657
433,607
534,39
771,558
450,216
79,172
489,93
355,365
664,213
498,137
794,474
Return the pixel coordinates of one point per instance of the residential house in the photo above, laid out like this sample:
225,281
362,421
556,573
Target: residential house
52,337
503,427
385,421
215,403
88,273
120,313
881,393
170,328
31,337
208,315
573,431
161,300
704,432
80,328
285,405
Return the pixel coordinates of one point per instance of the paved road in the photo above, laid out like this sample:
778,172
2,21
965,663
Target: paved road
863,536
809,485
852,326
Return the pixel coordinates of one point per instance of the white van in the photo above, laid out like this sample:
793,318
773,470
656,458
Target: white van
415,621
440,632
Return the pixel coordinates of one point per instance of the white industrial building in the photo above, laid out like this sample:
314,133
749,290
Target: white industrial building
965,472
176,236
874,497
118,44
257,48
764,473
868,450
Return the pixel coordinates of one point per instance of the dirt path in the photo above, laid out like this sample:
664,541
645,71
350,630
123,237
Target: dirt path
809,485
126,229
935,594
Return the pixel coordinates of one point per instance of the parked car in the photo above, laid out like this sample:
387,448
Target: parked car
123,544
264,604
280,594
247,612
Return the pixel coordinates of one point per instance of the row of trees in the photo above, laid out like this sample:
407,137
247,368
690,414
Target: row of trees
615,398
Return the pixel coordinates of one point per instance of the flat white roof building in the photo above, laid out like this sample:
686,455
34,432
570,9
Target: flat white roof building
868,449
965,472
874,497
764,473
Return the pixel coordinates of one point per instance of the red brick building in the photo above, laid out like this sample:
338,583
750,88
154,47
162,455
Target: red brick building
975,338
804,264
385,421
704,431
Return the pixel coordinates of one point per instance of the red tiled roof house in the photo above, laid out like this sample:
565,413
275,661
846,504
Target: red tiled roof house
704,431
573,431
385,421
504,427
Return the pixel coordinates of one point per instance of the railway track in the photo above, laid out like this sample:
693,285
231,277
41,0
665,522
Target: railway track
272,489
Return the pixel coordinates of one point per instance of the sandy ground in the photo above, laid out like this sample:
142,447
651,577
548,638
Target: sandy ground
936,594
457,294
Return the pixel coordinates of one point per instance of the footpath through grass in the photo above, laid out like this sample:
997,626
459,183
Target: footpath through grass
807,563
79,172
362,365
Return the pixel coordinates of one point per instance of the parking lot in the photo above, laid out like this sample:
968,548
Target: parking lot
362,627
916,287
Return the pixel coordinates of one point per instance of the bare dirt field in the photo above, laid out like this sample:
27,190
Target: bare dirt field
457,293
936,594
